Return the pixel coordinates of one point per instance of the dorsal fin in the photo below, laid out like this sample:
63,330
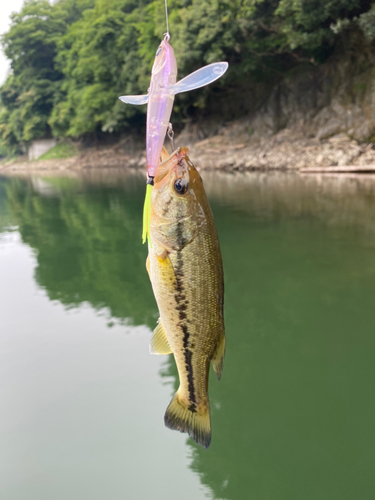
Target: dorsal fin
159,342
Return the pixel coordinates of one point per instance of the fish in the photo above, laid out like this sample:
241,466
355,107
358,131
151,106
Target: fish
159,100
186,272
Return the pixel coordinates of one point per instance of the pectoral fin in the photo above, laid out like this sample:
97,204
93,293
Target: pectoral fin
159,342
166,270
218,357
137,100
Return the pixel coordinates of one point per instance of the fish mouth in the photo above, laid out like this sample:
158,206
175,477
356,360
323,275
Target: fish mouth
174,163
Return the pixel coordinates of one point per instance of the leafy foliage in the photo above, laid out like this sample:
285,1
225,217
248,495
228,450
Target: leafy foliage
98,56
366,21
72,59
29,93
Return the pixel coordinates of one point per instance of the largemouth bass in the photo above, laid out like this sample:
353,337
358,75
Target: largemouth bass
186,273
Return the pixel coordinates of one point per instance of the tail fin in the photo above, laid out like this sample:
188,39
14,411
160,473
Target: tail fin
180,417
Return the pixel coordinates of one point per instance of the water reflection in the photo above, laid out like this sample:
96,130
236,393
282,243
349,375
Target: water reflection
5,218
335,200
87,242
293,414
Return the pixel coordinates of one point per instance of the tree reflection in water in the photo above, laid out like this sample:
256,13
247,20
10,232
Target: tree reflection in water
293,414
87,242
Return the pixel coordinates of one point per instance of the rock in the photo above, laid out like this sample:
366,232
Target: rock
323,101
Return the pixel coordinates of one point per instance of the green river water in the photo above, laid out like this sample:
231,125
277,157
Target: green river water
81,399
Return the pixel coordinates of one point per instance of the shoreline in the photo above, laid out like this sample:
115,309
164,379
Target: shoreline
231,151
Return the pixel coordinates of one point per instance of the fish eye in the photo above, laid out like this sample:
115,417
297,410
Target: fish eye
158,52
181,186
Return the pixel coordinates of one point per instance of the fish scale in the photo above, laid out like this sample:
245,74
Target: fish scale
186,273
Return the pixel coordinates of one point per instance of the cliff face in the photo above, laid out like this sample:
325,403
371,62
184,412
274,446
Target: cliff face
315,116
337,97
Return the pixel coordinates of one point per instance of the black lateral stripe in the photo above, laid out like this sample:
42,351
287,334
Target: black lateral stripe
181,308
189,368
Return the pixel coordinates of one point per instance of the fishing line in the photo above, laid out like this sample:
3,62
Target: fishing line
166,16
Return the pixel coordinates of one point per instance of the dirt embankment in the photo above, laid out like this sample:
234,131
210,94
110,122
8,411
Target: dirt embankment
232,150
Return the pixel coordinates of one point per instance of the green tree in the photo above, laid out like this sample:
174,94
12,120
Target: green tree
72,59
99,58
28,94
307,24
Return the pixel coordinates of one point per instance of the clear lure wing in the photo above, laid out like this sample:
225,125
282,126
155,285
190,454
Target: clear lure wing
137,100
199,78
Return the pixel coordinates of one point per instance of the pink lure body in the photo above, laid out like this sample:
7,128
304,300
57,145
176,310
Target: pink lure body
160,97
160,103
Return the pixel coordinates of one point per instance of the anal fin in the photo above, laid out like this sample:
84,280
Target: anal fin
159,342
218,356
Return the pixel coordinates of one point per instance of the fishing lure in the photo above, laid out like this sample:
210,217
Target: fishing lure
159,99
